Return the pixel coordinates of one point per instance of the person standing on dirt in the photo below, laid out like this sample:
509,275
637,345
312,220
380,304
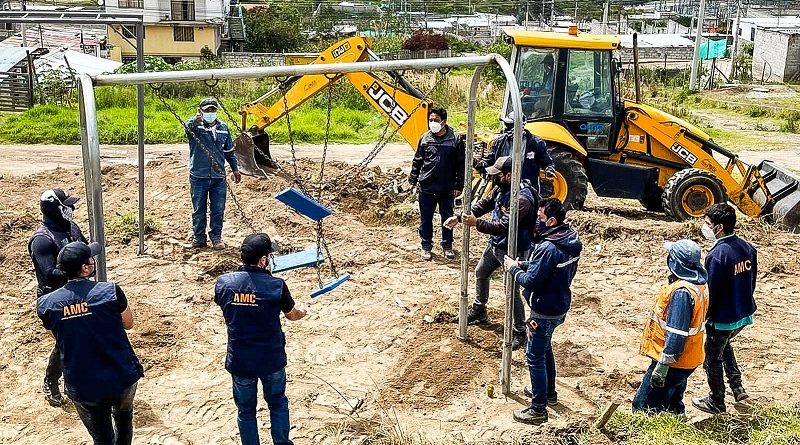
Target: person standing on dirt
210,145
88,320
56,231
673,336
732,265
498,203
537,157
251,300
546,278
438,171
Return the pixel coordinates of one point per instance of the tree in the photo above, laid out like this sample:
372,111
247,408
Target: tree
274,28
422,40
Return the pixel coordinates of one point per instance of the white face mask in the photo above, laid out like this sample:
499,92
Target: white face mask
67,213
434,126
210,117
708,232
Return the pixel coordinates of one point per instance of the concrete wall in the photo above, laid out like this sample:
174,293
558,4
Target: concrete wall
770,54
793,59
159,40
673,53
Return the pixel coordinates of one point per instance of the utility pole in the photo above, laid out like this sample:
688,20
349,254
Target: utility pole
735,39
22,27
605,17
619,16
575,17
697,41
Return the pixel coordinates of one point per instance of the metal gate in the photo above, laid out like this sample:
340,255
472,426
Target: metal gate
16,91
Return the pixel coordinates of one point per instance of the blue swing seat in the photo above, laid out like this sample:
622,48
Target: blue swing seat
303,204
330,285
306,258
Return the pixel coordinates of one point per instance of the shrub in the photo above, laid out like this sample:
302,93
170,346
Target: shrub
422,40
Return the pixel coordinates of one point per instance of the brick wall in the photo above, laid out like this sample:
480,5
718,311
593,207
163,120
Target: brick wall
770,52
793,59
238,60
673,53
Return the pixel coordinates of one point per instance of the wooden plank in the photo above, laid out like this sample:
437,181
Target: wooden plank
601,422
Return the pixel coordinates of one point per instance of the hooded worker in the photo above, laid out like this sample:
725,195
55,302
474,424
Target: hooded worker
56,231
673,336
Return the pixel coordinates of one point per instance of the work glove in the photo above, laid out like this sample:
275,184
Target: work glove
550,172
659,376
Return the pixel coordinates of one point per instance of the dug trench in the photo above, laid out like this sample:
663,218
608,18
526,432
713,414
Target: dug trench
380,351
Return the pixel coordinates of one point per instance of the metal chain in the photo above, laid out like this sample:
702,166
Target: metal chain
214,164
296,179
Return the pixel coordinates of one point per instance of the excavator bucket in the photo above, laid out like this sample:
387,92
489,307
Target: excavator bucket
783,208
252,152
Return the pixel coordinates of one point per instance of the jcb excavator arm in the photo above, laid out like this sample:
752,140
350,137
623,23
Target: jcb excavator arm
400,103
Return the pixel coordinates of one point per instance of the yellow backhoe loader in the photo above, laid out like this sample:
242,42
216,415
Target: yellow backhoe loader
570,89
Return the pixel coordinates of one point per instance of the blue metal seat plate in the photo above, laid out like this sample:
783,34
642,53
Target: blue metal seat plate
306,258
330,285
303,204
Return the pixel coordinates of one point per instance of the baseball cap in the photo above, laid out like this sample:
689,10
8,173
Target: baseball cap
207,103
255,246
58,195
684,260
501,165
508,119
75,254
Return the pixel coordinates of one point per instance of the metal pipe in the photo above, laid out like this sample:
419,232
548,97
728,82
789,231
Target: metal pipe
140,130
466,198
636,81
699,37
90,143
516,176
290,70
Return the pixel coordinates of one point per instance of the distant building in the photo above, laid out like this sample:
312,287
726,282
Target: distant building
174,29
749,25
776,55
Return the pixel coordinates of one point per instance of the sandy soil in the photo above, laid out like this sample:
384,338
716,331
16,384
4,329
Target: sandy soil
366,344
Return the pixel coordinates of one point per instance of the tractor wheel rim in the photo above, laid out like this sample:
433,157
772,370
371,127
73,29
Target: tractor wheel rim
560,187
696,199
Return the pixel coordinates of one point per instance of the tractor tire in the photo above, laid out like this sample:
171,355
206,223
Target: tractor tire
653,203
571,184
689,192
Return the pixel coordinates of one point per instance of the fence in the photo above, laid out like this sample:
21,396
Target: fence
16,91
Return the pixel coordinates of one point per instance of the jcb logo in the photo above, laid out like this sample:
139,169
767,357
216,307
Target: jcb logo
683,153
341,49
244,298
387,104
76,309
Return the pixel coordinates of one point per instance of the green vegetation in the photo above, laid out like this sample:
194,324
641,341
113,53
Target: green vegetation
126,225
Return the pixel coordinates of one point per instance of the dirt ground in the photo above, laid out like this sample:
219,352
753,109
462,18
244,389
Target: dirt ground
365,357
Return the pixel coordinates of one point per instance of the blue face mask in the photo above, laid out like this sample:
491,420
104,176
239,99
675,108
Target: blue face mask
210,117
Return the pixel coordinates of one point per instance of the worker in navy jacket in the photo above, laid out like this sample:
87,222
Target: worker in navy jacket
546,278
252,301
210,145
732,265
535,149
56,231
438,172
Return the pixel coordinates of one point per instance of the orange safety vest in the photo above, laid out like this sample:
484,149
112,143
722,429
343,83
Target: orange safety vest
655,331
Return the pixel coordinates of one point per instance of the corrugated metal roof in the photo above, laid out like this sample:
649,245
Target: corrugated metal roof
656,41
12,55
52,38
78,61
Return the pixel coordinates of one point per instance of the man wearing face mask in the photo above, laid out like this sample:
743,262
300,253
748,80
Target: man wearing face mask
210,145
536,155
252,300
732,265
56,231
88,320
673,335
499,204
546,278
438,170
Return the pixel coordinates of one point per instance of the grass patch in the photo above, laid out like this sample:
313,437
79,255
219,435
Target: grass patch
126,226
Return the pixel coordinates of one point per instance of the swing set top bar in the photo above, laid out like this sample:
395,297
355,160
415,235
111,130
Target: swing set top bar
70,17
291,70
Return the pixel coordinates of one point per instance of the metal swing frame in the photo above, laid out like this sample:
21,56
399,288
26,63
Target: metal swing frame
90,143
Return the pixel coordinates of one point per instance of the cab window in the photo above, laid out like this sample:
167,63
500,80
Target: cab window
588,83
535,73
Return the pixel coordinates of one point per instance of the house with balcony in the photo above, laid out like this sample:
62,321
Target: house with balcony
173,29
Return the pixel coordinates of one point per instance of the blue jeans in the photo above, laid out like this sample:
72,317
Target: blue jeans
541,363
427,205
491,260
245,394
204,190
109,421
669,398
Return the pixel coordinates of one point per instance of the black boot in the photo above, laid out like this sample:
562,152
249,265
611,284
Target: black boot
477,316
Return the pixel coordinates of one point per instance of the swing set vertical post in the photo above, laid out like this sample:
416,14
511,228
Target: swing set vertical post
140,130
466,198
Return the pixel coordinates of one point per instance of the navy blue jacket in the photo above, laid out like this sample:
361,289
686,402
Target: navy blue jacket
218,143
732,266
98,359
548,273
438,165
252,300
536,155
499,203
43,247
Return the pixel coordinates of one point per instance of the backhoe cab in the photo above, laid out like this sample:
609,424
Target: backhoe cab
571,97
